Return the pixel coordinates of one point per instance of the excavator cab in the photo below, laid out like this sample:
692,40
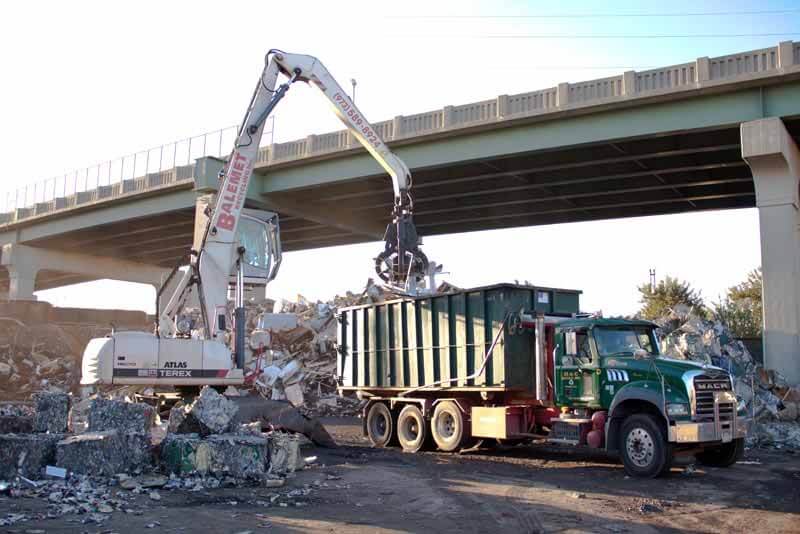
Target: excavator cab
258,234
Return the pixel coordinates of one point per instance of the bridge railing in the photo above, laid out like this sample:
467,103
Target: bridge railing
685,76
149,169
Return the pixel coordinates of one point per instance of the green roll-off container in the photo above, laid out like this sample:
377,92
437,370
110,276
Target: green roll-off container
418,341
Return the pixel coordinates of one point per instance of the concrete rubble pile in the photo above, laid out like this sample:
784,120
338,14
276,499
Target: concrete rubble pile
294,351
43,356
774,403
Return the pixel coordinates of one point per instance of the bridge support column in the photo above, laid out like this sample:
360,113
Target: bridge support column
774,158
21,282
24,262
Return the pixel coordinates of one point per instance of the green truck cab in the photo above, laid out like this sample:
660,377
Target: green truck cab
654,407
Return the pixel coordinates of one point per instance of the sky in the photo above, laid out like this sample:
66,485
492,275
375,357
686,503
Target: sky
87,82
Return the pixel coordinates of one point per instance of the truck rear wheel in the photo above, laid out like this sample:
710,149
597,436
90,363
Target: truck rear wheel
411,429
644,448
379,424
448,426
723,455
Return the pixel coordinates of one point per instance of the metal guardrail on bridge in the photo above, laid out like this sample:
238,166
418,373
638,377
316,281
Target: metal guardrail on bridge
146,170
72,190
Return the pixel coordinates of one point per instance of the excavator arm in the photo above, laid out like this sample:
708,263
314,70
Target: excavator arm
402,264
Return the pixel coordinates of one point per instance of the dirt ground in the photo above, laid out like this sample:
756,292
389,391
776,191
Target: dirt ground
523,489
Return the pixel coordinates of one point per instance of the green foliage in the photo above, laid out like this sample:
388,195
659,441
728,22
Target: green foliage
741,309
668,293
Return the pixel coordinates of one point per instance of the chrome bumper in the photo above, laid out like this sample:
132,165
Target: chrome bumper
716,430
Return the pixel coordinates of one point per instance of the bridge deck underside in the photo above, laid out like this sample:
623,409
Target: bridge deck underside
679,172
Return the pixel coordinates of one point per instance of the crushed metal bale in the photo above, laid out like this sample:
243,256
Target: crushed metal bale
284,454
105,453
127,417
237,455
210,413
26,454
52,412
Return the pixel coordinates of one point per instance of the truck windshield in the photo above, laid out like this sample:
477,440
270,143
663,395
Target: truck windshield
622,340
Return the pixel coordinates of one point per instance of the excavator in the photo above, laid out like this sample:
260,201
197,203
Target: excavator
243,244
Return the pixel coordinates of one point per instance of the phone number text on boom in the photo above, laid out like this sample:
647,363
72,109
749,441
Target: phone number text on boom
357,120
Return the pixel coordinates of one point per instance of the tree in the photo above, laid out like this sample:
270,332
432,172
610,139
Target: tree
741,309
668,293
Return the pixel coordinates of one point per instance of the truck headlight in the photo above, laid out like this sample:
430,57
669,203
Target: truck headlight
677,409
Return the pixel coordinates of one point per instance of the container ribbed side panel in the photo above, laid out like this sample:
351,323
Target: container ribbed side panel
444,339
458,336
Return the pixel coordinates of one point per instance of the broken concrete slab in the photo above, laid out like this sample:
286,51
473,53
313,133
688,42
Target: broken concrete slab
277,321
26,454
104,453
52,412
127,417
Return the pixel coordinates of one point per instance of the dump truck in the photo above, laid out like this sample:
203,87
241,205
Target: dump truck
514,362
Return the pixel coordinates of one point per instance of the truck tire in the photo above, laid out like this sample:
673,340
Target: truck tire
448,426
722,455
379,425
412,429
643,446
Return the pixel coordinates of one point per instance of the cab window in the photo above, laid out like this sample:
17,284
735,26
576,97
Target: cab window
584,352
622,341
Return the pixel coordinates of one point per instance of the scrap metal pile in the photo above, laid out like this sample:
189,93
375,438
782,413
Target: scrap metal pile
773,402
212,442
293,351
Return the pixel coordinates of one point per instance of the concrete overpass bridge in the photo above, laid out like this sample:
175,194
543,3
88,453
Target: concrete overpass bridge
709,134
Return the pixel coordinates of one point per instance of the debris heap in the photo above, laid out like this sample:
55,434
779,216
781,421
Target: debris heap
41,356
770,399
294,351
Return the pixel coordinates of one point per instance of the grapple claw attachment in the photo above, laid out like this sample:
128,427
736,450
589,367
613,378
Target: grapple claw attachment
402,264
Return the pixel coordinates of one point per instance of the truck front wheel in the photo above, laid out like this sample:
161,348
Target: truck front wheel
644,448
379,424
723,455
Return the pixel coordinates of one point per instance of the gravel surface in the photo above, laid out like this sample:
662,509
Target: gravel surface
522,489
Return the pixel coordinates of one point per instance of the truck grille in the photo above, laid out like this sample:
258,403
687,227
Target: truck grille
704,388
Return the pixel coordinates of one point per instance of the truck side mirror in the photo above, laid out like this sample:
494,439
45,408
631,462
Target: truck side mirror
571,343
